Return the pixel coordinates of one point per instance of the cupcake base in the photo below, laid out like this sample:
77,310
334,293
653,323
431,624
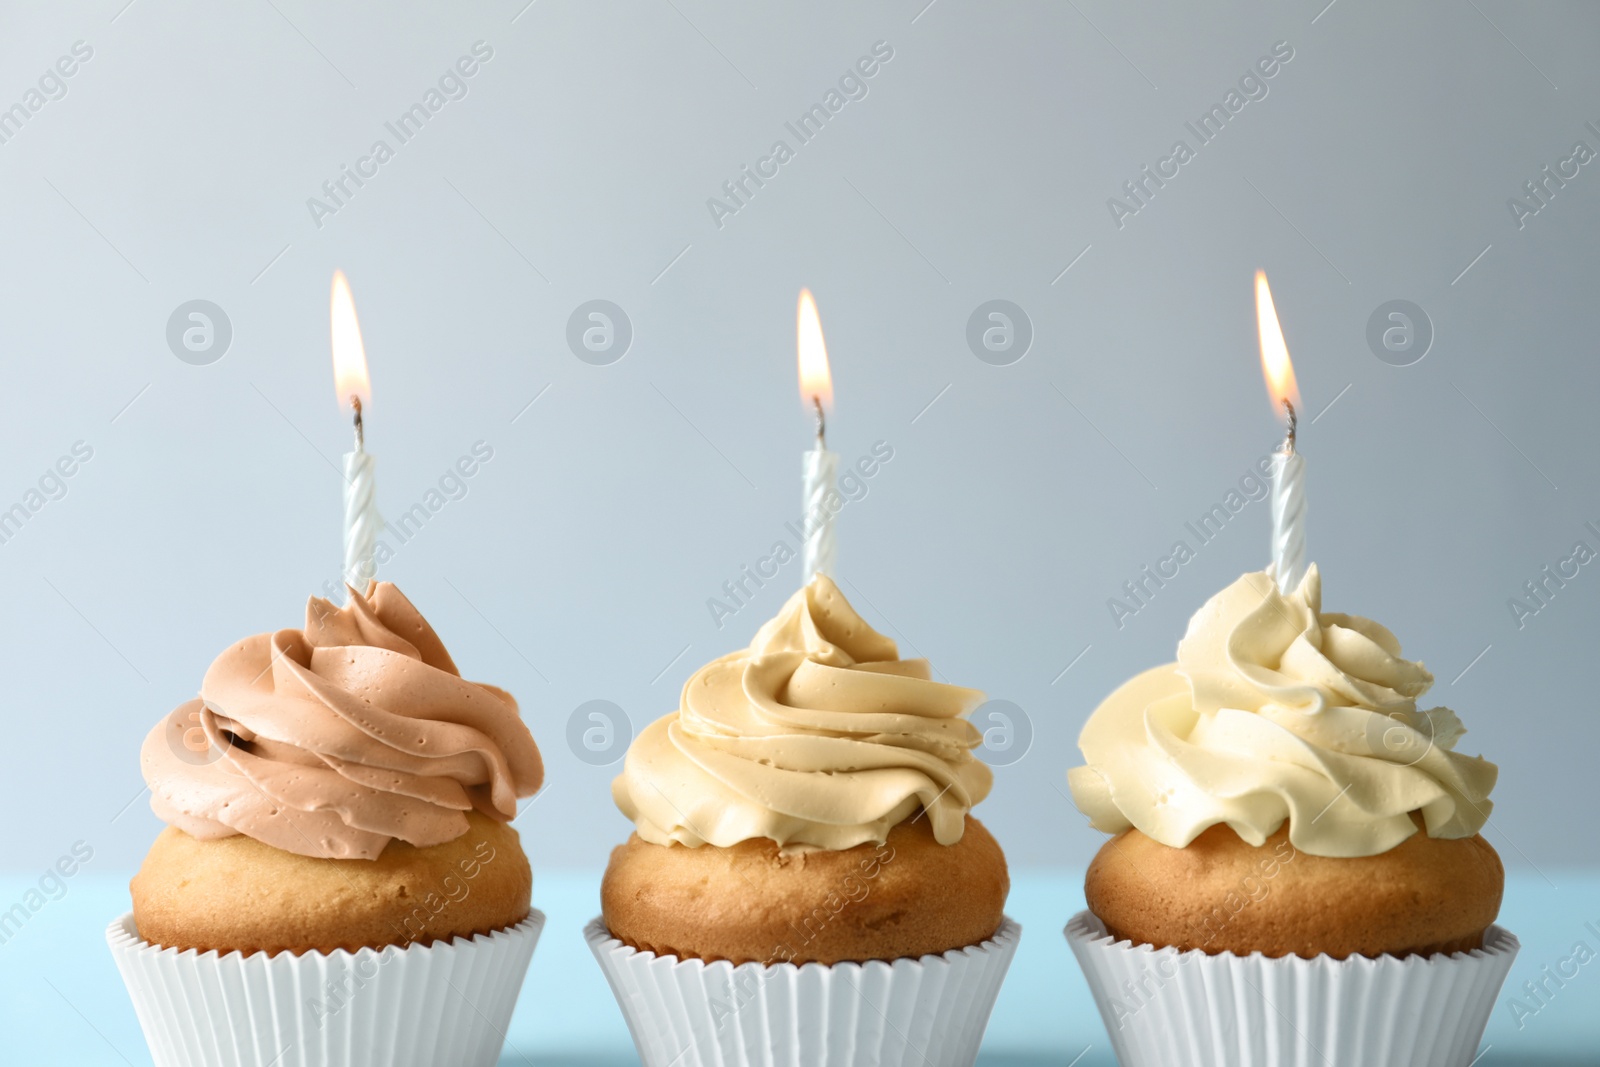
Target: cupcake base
925,1012
237,894
417,1006
1425,896
1162,1006
754,903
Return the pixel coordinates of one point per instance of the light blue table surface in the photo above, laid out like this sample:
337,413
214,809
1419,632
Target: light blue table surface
62,1002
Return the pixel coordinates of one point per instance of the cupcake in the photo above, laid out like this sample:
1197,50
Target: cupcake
1296,874
805,883
338,882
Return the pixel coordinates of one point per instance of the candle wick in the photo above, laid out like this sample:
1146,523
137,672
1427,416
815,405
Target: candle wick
822,424
1288,440
361,436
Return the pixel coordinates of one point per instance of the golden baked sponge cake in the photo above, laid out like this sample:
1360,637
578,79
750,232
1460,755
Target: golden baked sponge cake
909,896
1284,815
1425,895
236,894
807,810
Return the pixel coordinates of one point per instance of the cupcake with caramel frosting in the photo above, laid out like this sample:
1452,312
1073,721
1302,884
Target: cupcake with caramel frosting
335,792
808,803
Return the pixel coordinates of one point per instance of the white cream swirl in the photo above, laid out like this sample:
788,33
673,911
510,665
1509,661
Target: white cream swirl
1278,711
816,736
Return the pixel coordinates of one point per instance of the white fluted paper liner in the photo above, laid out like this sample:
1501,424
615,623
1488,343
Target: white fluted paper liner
412,1006
927,1012
1164,1007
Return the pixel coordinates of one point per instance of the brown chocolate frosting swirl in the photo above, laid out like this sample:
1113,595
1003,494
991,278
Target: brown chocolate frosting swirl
333,740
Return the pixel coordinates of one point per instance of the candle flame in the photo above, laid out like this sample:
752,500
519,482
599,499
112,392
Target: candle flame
349,354
816,382
1275,363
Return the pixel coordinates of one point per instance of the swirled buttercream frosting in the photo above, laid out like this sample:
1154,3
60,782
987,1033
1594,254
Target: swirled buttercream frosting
1278,711
333,740
817,736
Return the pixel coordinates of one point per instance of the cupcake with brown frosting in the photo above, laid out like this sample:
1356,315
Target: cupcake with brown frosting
806,811
1286,817
338,803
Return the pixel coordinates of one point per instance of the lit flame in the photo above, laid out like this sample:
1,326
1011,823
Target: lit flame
816,383
1274,352
349,355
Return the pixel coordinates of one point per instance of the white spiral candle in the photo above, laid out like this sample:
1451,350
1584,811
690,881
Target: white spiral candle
354,390
361,519
819,470
1289,518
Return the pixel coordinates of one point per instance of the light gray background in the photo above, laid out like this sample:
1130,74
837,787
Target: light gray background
979,165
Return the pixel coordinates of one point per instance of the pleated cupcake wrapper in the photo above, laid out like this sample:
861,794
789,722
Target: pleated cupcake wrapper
1163,1007
927,1012
416,1006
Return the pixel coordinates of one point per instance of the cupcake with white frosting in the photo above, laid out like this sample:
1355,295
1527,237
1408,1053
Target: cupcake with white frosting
1296,873
805,883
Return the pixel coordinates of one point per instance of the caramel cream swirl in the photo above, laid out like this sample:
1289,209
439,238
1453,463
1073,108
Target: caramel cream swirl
333,740
816,736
